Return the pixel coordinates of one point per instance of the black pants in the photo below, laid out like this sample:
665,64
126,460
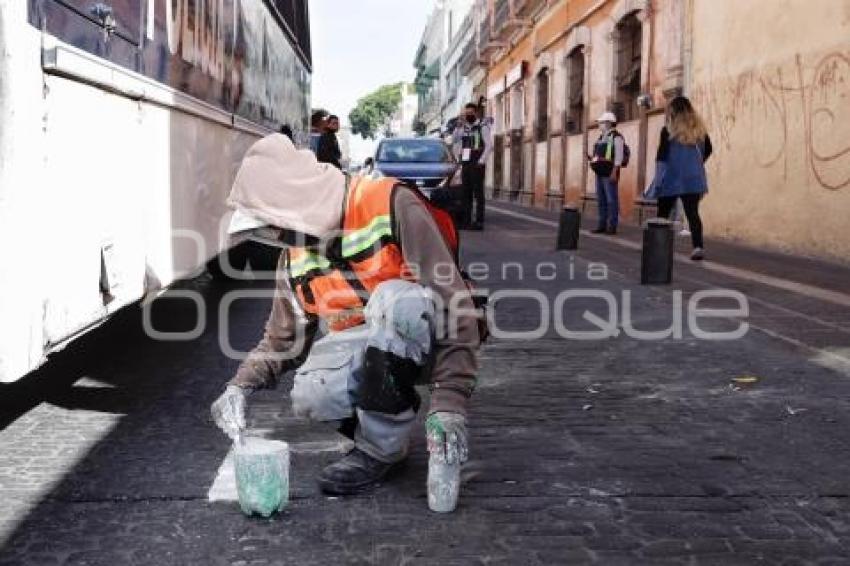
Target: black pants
690,202
472,177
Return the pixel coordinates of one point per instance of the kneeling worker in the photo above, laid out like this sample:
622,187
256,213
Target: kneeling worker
378,266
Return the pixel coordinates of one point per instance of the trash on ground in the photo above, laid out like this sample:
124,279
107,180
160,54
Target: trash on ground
792,411
743,381
587,407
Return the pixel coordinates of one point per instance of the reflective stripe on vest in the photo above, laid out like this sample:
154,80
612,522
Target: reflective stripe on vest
309,261
337,290
360,240
604,147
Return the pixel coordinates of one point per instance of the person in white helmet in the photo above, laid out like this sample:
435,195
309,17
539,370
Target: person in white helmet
606,161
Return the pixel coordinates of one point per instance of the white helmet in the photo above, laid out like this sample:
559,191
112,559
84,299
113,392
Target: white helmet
607,117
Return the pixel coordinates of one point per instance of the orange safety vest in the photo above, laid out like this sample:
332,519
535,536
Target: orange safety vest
337,286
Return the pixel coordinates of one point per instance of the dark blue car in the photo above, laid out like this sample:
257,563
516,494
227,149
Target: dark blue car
425,163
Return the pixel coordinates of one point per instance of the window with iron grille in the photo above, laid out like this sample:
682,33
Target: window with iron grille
542,121
575,91
629,48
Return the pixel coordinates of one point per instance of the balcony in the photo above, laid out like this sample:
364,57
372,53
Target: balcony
470,59
487,44
428,113
465,34
524,9
506,20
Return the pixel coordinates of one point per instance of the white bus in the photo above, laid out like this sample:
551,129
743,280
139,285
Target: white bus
122,123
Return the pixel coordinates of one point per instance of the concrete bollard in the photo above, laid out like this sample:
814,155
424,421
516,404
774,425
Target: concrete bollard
569,224
656,267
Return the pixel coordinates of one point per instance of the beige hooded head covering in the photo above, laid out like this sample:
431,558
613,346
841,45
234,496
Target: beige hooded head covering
287,188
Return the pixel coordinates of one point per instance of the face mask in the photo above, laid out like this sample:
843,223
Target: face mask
470,118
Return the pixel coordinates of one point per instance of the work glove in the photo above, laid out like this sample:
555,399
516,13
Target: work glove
228,411
446,434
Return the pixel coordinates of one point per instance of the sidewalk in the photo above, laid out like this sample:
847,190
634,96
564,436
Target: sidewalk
808,271
614,451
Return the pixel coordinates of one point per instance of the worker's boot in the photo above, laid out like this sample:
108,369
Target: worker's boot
354,473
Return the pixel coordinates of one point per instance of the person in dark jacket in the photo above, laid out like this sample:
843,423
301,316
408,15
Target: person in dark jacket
317,128
328,151
473,143
680,170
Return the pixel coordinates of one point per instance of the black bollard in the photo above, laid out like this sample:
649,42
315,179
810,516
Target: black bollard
656,267
568,229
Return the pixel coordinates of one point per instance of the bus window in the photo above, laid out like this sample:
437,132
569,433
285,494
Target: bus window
124,15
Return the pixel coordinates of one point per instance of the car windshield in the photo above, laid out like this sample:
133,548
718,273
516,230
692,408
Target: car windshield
414,151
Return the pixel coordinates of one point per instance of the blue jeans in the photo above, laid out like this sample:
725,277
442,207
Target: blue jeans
608,202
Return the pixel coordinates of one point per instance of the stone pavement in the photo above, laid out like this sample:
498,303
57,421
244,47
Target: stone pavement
614,451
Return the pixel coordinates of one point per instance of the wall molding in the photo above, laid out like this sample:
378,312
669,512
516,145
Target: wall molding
625,7
578,37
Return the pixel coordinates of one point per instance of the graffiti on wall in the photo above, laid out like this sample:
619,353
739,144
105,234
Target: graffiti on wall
785,115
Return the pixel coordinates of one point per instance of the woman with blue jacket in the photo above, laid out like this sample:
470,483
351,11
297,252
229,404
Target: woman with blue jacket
680,172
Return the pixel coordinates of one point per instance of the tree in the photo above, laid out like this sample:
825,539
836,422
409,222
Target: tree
373,110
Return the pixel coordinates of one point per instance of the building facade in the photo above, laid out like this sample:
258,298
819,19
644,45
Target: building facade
773,97
460,33
776,98
400,124
428,64
554,67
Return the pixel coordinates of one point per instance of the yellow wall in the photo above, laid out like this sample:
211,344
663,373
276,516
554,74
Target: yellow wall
772,80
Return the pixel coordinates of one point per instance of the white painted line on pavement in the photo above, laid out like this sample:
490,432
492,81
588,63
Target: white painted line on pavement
822,357
810,291
223,487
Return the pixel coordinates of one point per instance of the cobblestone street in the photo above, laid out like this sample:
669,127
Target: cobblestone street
614,451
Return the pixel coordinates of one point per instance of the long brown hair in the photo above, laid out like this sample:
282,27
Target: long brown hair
684,123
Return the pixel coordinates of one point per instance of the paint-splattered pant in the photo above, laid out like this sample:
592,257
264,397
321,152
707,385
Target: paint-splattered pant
362,378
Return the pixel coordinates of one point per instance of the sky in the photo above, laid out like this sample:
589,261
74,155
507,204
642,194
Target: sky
359,45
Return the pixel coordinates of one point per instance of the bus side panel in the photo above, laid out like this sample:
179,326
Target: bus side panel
24,234
104,198
231,54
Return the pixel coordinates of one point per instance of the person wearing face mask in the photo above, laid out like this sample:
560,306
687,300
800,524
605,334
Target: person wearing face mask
606,161
375,264
473,144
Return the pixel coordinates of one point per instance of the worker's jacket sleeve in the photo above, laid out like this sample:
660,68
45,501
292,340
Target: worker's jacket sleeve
457,339
285,343
487,134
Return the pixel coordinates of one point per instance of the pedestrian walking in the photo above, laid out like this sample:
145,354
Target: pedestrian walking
329,151
473,143
386,331
609,155
683,149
